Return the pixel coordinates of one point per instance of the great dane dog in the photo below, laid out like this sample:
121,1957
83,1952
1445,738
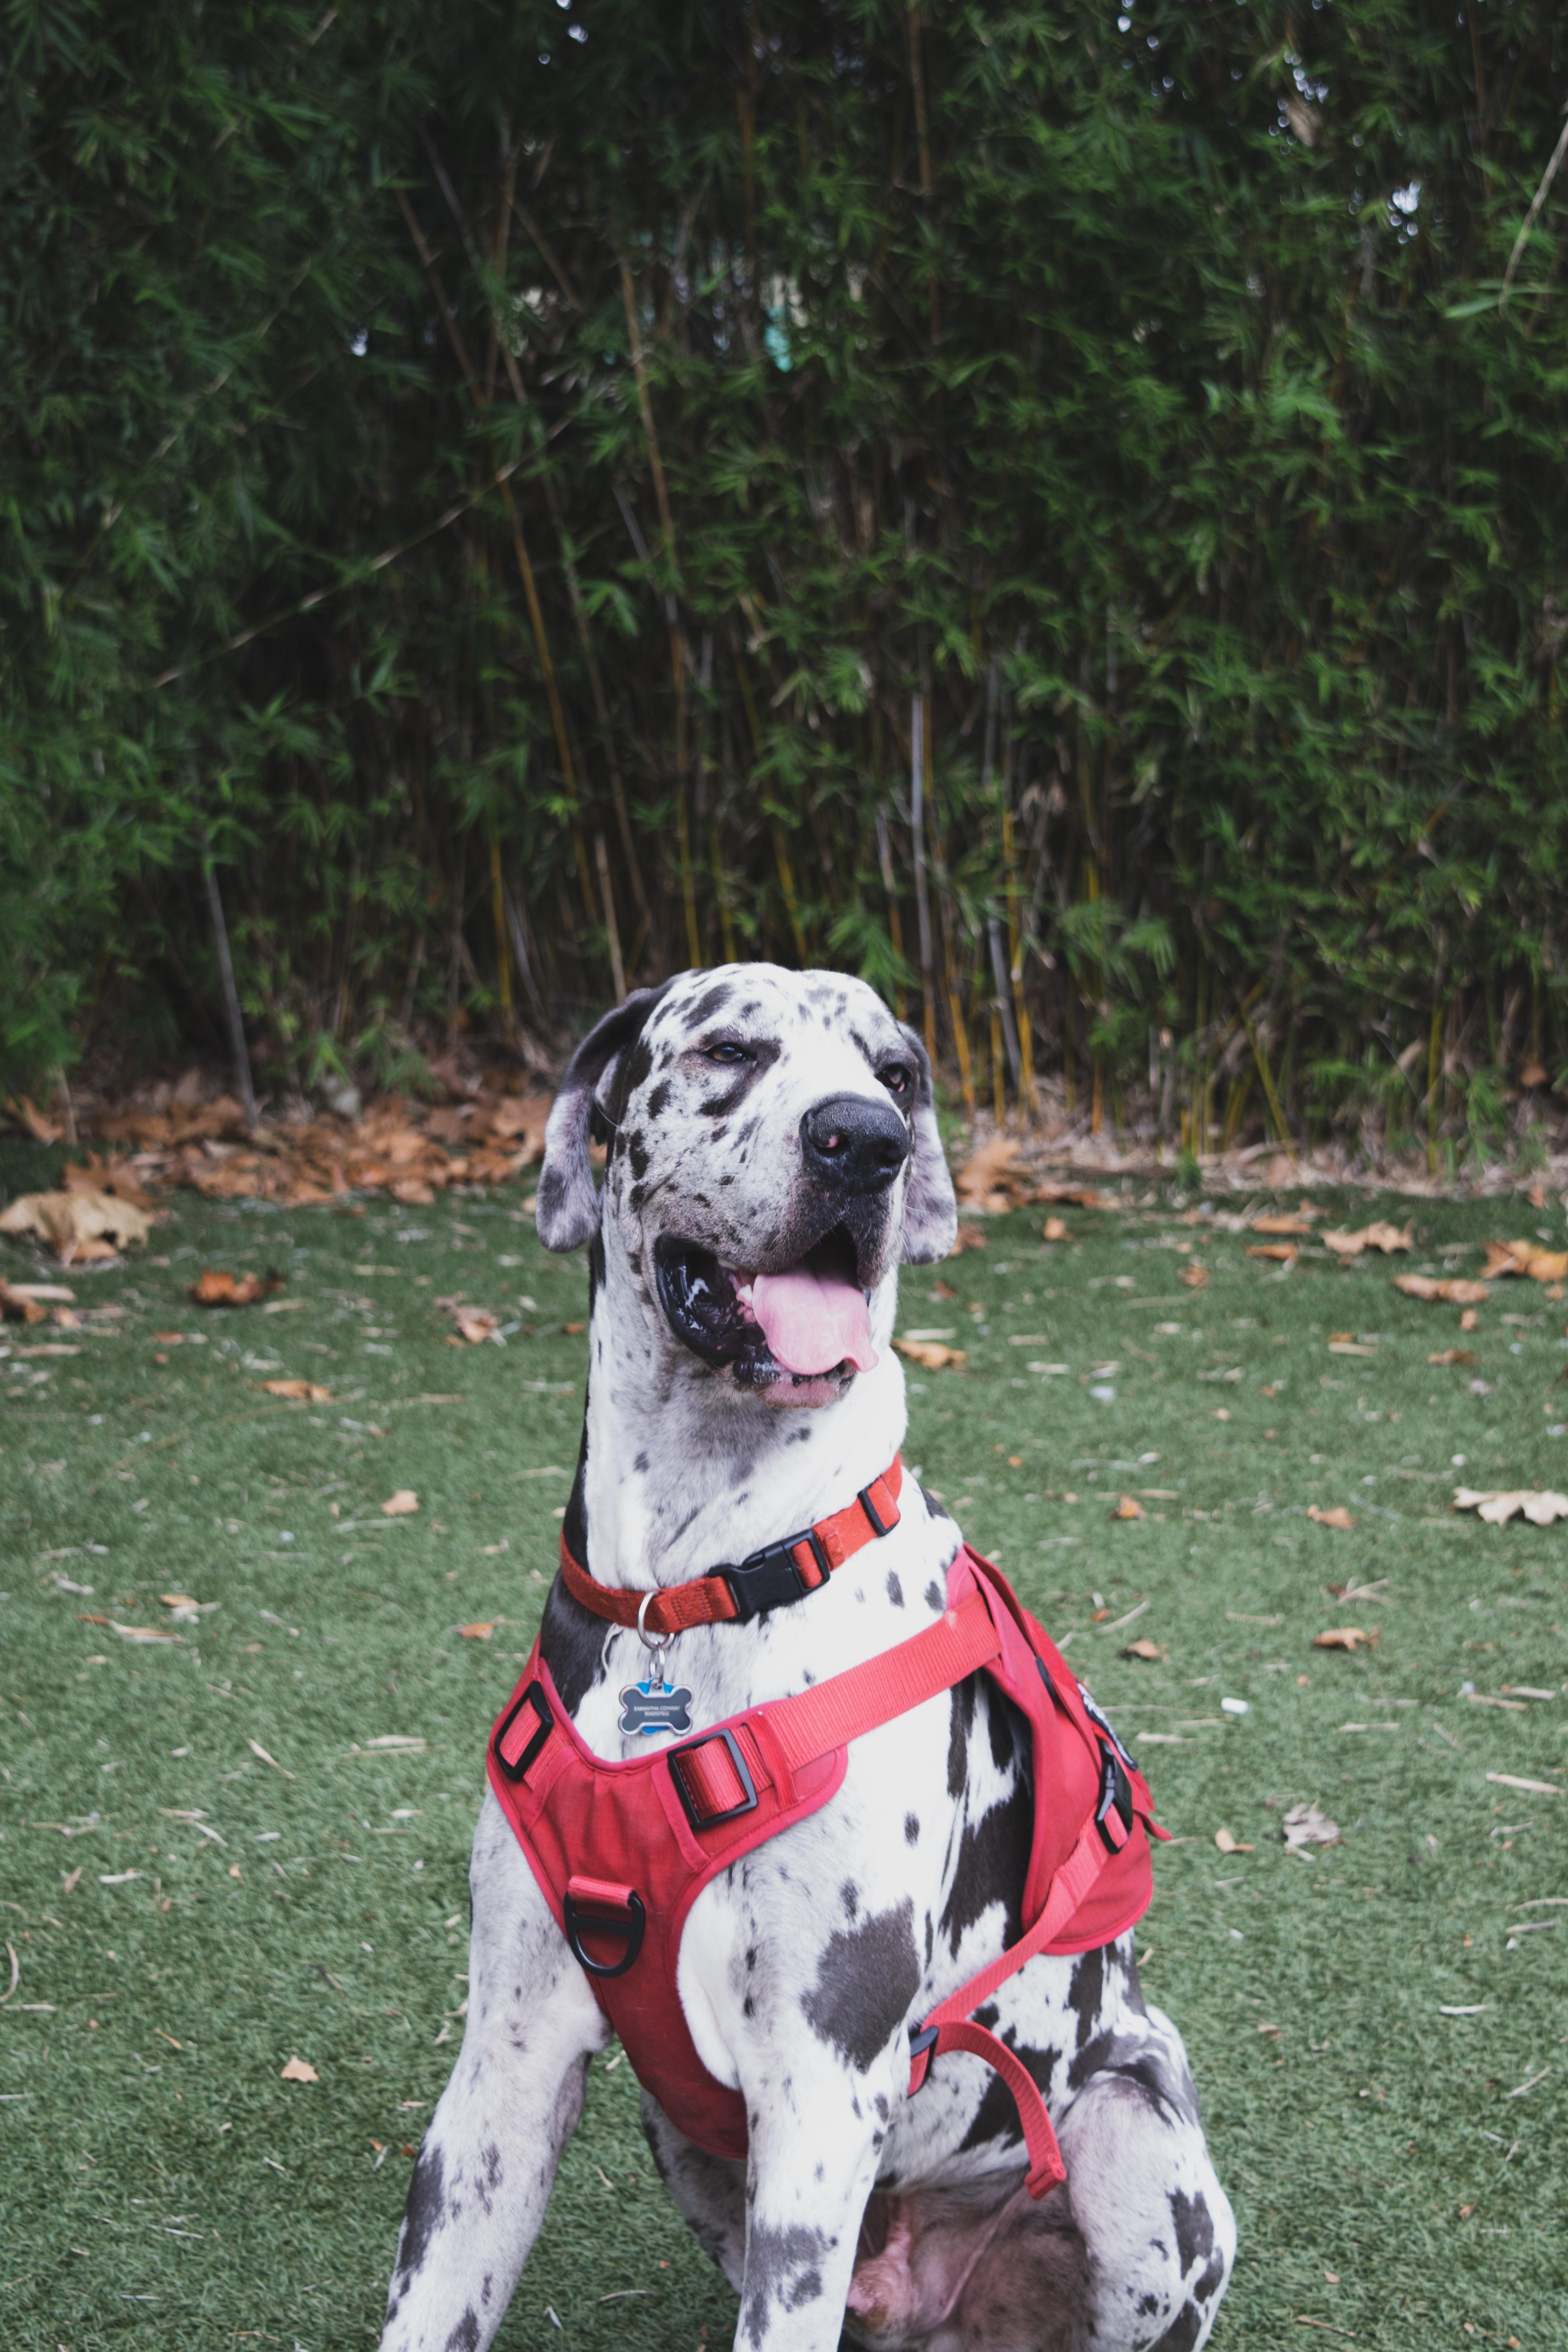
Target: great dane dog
773,1153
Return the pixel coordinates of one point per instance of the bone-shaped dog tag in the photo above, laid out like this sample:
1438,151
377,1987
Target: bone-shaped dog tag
655,1706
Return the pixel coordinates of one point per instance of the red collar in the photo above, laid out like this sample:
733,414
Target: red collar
779,1573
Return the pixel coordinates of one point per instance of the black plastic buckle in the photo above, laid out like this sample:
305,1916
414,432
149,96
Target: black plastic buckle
770,1578
925,2039
873,1516
630,1931
533,1696
1115,1797
748,1803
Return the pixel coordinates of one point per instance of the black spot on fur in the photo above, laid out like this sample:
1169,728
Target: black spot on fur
1194,2226
962,1716
465,2336
765,1053
783,2266
850,1895
637,1152
993,1862
1086,1992
572,1644
935,1597
658,1099
708,1007
596,1267
1000,1717
1182,2332
895,1589
996,2117
937,1510
866,1979
912,1829
1133,2060
426,2199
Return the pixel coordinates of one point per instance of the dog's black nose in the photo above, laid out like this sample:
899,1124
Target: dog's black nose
854,1144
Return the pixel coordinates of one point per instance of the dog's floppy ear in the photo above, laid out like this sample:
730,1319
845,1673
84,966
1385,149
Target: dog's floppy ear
567,1213
930,1212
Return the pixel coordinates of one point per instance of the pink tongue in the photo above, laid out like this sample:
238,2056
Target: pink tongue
810,1322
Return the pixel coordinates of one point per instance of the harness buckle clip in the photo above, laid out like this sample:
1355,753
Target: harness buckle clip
690,1796
924,2039
516,1769
1114,1813
771,1577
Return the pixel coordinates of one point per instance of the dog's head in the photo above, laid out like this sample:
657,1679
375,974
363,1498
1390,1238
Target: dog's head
773,1154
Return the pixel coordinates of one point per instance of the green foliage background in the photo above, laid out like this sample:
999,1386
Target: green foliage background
1132,396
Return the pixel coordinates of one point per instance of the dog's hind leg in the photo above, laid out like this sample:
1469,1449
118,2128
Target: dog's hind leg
1156,2225
488,2161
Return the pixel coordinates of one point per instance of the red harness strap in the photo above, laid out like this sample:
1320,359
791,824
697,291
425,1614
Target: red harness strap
780,1572
671,1820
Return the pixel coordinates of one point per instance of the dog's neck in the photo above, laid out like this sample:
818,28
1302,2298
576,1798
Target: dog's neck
681,1474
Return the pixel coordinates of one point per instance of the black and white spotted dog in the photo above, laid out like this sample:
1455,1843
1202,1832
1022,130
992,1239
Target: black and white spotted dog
769,1127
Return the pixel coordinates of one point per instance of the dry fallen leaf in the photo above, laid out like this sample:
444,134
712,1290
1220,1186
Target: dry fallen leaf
1291,1221
1378,1235
930,1353
299,1391
213,1288
145,1633
299,2070
475,1324
1470,1320
1227,1844
967,1237
1525,1258
1453,1355
1305,1825
1336,1518
990,1179
481,1631
1129,1507
16,1307
100,1175
1285,1251
1149,1651
39,1126
1055,1229
1076,1196
400,1505
1497,1506
81,1228
1458,1291
1345,1637
1194,1277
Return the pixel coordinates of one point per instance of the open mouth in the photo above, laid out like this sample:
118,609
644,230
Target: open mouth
798,1330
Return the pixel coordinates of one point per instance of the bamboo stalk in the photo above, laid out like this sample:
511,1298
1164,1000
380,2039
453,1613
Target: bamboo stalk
232,1014
498,916
1003,1005
894,923
792,905
612,929
1260,1057
960,1047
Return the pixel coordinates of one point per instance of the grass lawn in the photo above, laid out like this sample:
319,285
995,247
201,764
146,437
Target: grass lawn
189,1914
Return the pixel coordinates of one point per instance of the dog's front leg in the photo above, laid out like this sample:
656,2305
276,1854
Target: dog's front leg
816,2134
488,2162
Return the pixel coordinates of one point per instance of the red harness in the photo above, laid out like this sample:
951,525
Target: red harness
621,1851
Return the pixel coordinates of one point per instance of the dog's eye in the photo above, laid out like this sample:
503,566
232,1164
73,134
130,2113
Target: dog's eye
725,1053
897,1080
